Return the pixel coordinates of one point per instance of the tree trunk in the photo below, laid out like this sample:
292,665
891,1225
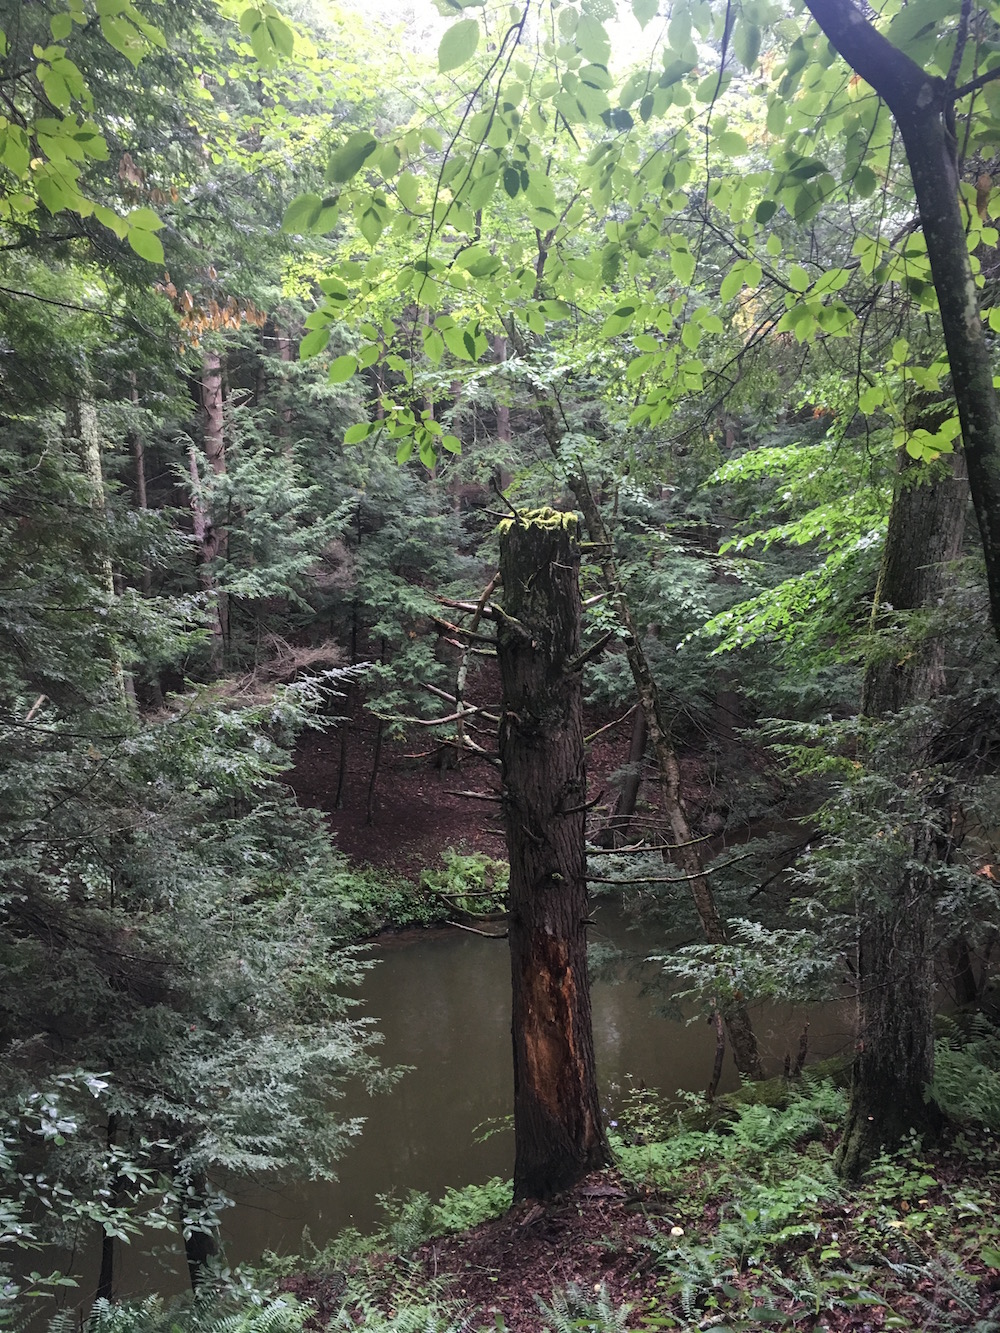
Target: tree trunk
923,106
503,409
106,1276
616,830
199,1245
83,429
894,1061
211,536
557,1121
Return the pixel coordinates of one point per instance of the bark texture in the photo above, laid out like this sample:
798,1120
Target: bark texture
557,1122
894,1060
211,537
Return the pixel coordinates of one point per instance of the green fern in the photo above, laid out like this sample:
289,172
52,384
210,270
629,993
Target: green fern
575,1311
228,1313
967,1073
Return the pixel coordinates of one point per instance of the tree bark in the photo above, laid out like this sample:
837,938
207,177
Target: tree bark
503,409
558,1133
923,107
211,536
199,1245
616,830
894,1060
106,1276
82,428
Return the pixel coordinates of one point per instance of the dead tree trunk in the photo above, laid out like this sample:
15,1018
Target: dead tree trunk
557,1122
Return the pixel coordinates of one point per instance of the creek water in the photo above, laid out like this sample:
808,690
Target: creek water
442,1002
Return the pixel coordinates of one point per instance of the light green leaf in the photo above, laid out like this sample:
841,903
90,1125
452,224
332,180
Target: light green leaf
592,41
348,160
408,189
798,278
683,263
313,343
145,219
342,369
644,10
358,432
732,282
301,213
458,45
282,36
732,144
146,245
61,26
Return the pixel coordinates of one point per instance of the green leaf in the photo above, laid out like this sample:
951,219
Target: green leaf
683,263
408,189
301,213
282,36
865,182
342,369
592,41
145,219
348,160
765,211
732,283
511,180
732,144
146,245
433,346
358,432
746,42
458,45
644,11
372,224
61,26
452,443
313,343
798,278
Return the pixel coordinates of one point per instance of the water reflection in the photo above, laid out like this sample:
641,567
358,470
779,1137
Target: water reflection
442,1001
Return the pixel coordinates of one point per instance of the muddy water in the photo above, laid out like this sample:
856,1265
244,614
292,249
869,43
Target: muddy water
442,1001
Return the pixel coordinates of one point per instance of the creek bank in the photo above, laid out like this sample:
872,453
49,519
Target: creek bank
739,1227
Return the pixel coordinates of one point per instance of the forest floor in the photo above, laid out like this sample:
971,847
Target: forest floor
745,1229
417,808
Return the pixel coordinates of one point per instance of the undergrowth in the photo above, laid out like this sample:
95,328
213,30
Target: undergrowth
744,1226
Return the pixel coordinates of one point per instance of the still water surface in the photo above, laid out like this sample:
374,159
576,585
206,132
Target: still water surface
442,1001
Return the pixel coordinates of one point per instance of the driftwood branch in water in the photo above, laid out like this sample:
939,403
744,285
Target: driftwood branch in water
486,934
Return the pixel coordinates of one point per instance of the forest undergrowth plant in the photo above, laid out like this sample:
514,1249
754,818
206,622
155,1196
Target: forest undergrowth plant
577,1311
967,1072
376,899
468,882
209,1312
